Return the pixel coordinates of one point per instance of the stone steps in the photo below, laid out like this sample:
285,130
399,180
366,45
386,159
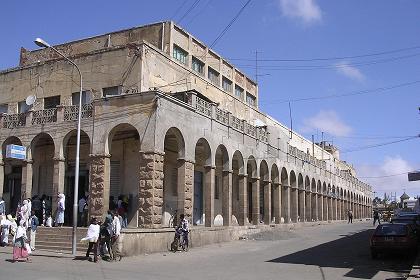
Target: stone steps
59,239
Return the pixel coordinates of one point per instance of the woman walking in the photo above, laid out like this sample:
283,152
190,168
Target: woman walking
19,244
92,237
59,219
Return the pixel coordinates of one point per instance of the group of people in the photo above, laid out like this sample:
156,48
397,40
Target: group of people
104,237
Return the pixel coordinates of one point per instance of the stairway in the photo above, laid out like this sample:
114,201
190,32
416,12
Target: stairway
59,240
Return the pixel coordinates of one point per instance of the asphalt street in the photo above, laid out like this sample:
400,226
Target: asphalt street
333,251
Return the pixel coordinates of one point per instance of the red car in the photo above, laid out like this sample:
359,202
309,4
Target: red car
393,238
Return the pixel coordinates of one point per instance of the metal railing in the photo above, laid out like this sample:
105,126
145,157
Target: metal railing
71,113
14,120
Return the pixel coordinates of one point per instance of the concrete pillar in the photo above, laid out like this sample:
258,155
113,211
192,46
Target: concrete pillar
1,178
99,185
285,203
267,202
227,198
185,188
308,206
276,189
255,201
58,180
294,204
243,199
302,208
209,173
26,187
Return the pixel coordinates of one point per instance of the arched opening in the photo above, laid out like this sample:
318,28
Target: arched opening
325,201
12,177
301,199
173,187
124,164
307,195
69,153
294,215
238,191
253,207
314,201
202,160
275,195
222,192
265,194
285,195
320,201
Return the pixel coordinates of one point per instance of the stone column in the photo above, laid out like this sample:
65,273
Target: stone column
209,173
325,204
330,209
227,198
26,187
99,185
243,199
285,203
277,202
1,178
185,188
151,189
255,201
267,203
294,204
301,204
314,205
308,206
320,207
58,180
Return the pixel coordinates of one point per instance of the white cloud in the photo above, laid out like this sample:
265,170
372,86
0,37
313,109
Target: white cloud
306,10
391,165
349,71
326,121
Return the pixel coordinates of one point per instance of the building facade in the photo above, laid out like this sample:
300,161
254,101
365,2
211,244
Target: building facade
171,125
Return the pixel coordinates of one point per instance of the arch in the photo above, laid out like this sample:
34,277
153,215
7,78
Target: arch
313,185
222,158
238,162
265,194
324,188
122,130
307,183
294,201
300,181
264,173
237,188
319,187
251,168
284,177
293,182
275,174
203,153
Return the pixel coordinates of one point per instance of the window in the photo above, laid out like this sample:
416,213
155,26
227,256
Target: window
4,108
197,66
227,84
213,76
22,107
180,55
51,102
239,92
250,99
216,187
110,91
86,97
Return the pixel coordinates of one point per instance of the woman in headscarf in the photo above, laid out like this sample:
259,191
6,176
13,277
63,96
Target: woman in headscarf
19,245
92,237
59,219
24,212
5,227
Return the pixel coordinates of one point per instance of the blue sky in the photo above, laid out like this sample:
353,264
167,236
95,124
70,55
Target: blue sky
279,30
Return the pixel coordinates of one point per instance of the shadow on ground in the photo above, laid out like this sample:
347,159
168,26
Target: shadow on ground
352,252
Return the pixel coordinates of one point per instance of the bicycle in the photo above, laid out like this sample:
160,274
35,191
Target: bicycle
181,240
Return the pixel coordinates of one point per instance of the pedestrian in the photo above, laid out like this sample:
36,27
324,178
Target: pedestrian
112,204
116,237
59,218
13,225
24,213
20,248
28,223
37,206
34,226
5,225
2,206
44,209
350,215
92,237
82,203
376,217
106,234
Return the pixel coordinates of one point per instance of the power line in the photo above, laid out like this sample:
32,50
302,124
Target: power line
379,145
229,25
189,10
361,92
179,8
332,58
386,176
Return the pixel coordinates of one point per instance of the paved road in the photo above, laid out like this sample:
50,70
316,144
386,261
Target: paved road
334,251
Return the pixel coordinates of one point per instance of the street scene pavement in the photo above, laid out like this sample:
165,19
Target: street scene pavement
332,251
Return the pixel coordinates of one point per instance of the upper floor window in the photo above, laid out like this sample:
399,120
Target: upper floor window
110,91
227,84
51,102
180,55
4,108
239,92
213,76
86,97
250,99
197,66
22,107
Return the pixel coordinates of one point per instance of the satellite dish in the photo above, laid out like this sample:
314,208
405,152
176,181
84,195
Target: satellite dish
30,100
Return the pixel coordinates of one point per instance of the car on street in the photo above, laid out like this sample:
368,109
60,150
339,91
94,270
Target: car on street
393,237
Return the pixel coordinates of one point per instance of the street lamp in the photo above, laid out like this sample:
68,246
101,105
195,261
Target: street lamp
44,44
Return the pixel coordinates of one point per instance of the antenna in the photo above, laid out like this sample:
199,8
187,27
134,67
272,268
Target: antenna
30,100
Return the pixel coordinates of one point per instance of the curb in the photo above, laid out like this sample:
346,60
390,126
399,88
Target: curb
415,270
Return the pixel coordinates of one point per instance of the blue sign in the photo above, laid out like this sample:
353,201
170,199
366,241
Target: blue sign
15,151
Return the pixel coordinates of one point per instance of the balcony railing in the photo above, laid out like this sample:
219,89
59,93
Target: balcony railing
14,120
71,113
203,107
222,116
44,116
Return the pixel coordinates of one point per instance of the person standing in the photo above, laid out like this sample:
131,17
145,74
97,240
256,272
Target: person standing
37,207
350,215
24,213
34,226
59,219
116,237
19,243
44,209
92,237
2,206
80,219
376,217
5,229
106,234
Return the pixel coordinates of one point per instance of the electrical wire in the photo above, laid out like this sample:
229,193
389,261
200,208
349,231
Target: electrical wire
386,176
189,10
179,8
378,145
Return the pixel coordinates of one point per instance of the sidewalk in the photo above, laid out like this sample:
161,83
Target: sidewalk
415,270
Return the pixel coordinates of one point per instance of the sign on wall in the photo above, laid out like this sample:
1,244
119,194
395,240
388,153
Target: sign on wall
15,151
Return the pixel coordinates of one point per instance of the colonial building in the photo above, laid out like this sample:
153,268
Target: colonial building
170,124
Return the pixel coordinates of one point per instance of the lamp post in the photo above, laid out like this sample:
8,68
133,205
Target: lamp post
44,44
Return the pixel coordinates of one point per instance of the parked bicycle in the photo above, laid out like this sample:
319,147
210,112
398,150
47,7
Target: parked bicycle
180,241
